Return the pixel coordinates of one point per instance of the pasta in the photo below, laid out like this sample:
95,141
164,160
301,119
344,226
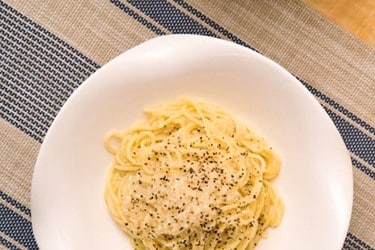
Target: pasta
191,177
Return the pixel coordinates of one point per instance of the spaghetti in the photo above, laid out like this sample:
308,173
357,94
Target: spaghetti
191,177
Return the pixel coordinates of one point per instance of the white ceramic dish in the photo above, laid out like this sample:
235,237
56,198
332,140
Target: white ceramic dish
68,208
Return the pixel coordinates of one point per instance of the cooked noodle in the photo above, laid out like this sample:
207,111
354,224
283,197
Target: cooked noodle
191,177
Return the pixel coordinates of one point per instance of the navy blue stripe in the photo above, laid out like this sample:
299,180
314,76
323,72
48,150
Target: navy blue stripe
16,121
235,39
338,107
18,118
46,35
18,33
46,106
32,82
52,97
37,124
352,245
9,245
17,227
347,245
356,141
46,102
166,14
213,24
14,203
137,17
364,169
359,242
33,61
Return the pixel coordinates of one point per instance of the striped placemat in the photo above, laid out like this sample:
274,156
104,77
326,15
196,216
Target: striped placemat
48,48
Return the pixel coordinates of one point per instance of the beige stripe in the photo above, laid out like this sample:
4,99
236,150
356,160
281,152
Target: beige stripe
104,30
18,155
305,43
363,216
18,245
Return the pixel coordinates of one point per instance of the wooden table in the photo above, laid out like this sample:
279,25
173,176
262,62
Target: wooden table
356,16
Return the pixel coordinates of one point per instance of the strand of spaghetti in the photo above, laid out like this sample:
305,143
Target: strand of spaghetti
113,135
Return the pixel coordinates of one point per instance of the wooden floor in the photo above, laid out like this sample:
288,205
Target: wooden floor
356,16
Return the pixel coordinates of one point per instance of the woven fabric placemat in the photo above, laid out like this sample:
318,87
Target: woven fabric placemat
48,48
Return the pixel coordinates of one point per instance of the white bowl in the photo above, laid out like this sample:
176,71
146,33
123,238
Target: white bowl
68,208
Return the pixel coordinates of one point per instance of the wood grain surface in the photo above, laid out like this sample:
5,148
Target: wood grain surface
356,16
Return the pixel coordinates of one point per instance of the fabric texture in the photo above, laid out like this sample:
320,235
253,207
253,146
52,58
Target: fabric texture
48,48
